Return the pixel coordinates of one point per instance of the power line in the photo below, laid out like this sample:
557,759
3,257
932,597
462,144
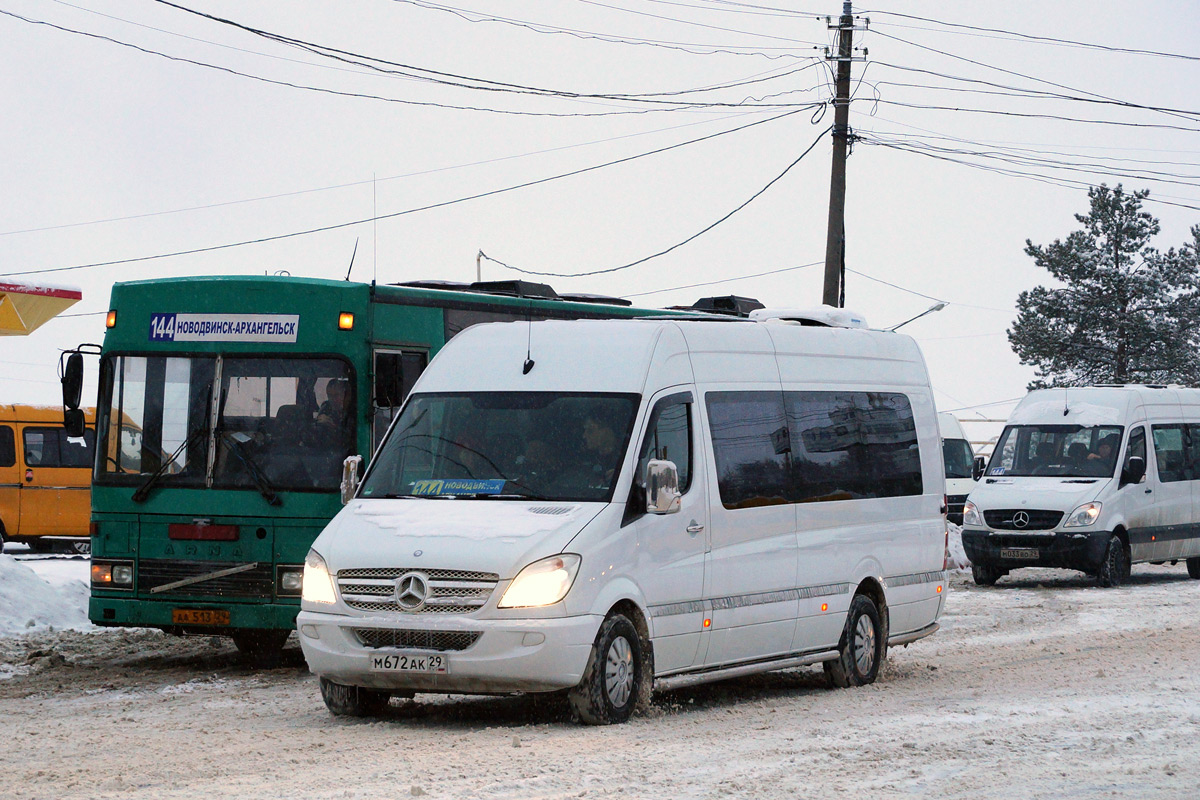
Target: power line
353,184
391,215
725,280
676,246
1041,39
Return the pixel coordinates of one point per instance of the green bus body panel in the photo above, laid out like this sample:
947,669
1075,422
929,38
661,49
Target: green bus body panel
385,317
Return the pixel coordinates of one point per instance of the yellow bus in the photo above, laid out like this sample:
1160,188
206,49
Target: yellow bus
45,479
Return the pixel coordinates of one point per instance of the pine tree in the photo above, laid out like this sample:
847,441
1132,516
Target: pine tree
1124,312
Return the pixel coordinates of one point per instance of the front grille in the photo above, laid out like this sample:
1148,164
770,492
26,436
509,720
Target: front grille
955,502
257,582
1038,520
443,641
450,591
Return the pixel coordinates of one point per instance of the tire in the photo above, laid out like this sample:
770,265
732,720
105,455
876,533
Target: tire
612,683
861,651
1193,565
80,548
353,701
986,574
1114,569
260,648
37,545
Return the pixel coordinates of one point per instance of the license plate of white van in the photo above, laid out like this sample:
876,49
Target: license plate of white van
1019,552
410,662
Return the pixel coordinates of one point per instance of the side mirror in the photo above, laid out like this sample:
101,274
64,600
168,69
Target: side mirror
1134,471
977,468
72,381
350,477
662,488
73,422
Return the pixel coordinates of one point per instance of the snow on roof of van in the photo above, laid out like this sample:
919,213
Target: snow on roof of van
1086,405
819,315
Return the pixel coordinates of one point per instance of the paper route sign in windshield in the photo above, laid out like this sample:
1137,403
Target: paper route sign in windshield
458,486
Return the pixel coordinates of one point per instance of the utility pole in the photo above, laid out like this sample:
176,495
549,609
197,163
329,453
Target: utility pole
835,240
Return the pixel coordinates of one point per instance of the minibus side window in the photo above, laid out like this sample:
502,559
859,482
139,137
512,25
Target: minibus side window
669,438
752,447
1170,453
852,445
1137,447
8,447
1192,442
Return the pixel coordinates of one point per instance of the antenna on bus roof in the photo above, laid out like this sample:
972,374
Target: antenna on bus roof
352,255
528,339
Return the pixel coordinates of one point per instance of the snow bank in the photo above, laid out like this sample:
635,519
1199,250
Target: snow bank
29,604
958,556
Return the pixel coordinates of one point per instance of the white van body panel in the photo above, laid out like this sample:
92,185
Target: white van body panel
1155,518
714,587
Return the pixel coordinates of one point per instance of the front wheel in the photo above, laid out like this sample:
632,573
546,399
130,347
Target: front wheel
352,701
1193,565
1114,569
861,649
612,681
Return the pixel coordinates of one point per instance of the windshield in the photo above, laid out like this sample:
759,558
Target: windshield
1062,450
281,423
957,455
548,446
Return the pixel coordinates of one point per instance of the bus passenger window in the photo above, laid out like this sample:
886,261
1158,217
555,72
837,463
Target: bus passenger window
8,447
395,374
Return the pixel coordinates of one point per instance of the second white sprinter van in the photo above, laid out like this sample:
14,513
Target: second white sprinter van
1091,479
959,462
613,506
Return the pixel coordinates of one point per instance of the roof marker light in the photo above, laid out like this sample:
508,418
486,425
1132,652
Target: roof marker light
111,320
345,321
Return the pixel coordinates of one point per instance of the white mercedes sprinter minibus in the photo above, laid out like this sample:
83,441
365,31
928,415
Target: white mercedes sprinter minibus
615,506
1073,484
958,460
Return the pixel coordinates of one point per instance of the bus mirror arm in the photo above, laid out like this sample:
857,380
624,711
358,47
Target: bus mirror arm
349,484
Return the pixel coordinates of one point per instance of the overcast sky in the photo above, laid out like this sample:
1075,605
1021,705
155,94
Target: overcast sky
148,142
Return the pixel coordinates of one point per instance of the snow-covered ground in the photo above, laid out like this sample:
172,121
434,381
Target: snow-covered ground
1042,687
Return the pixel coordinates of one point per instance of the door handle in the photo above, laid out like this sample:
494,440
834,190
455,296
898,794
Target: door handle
695,528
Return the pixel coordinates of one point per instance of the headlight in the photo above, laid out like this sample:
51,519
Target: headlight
971,515
542,583
1083,516
112,574
316,585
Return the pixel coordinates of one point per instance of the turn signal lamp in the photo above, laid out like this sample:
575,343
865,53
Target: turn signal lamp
345,321
824,606
939,591
111,320
708,623
101,574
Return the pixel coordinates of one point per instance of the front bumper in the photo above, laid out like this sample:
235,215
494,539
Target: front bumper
510,655
110,610
1081,550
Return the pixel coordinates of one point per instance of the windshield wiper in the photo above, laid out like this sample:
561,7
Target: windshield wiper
260,481
144,490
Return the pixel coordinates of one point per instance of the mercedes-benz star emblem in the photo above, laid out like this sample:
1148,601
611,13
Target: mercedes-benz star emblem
411,590
1020,519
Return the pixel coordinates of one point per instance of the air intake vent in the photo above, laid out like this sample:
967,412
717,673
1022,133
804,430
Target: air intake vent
552,511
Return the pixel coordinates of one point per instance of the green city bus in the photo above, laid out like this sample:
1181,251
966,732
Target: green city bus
228,407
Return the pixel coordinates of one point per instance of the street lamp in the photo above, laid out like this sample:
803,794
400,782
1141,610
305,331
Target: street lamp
938,306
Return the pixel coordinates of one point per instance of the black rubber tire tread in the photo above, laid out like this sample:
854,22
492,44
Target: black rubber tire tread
986,574
1114,569
589,700
353,701
260,648
1193,565
843,671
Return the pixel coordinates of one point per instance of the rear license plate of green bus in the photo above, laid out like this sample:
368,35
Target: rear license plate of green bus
405,662
1024,553
199,616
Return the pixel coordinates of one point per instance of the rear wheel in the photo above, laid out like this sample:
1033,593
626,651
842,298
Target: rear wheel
260,648
612,681
1114,569
861,648
1193,565
986,574
82,548
352,701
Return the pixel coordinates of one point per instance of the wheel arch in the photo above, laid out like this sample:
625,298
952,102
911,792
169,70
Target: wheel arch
873,588
631,610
